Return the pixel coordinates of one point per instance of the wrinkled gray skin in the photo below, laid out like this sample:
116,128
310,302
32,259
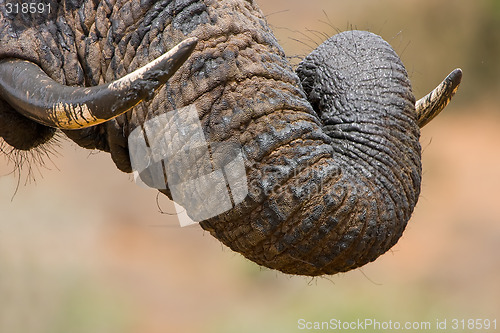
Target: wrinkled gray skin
332,153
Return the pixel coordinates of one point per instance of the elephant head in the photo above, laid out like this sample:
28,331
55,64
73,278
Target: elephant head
329,155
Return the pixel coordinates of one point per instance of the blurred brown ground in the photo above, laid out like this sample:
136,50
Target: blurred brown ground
85,250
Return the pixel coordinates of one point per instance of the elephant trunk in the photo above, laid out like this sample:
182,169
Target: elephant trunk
340,194
330,189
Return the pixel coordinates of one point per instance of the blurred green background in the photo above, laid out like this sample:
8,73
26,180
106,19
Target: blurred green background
83,249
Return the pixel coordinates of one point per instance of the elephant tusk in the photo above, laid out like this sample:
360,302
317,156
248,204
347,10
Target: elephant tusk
28,89
433,103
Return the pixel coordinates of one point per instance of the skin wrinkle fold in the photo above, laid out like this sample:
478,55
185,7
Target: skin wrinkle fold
386,183
345,206
353,237
275,111
363,145
292,233
372,138
284,184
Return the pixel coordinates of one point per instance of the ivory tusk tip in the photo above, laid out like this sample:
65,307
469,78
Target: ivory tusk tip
455,77
433,103
189,42
186,47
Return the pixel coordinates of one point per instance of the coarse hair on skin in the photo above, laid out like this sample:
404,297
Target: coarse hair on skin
28,164
311,39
